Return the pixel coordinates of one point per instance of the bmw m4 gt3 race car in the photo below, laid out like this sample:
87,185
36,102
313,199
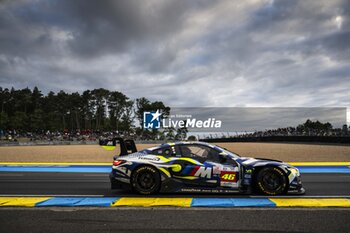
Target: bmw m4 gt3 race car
199,167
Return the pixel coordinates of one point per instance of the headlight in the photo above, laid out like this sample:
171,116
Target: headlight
295,171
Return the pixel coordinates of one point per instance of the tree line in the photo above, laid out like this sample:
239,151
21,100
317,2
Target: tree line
98,109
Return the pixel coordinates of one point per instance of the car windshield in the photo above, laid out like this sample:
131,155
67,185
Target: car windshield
229,152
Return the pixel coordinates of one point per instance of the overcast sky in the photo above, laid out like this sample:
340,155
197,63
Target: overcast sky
256,118
185,53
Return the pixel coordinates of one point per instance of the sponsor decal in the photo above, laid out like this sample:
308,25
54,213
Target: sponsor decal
265,191
148,158
208,190
204,172
218,168
227,176
229,184
146,168
279,171
198,171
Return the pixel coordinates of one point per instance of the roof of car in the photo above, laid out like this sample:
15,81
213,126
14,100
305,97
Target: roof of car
179,143
185,143
189,143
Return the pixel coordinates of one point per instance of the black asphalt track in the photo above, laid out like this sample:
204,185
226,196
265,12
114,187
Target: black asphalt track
186,220
13,183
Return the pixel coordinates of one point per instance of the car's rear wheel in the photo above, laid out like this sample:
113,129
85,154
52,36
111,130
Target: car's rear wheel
145,180
271,181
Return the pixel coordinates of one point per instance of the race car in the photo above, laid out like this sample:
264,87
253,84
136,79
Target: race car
198,167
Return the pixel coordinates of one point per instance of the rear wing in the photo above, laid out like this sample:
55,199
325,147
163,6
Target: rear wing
127,146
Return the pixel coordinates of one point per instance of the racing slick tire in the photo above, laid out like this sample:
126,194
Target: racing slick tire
146,180
271,181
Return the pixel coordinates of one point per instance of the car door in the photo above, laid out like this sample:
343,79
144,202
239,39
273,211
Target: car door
214,168
192,167
227,171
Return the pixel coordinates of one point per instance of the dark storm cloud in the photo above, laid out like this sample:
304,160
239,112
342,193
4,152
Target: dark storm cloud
114,26
185,53
109,27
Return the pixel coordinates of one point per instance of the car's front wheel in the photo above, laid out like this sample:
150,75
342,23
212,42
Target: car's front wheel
145,180
271,181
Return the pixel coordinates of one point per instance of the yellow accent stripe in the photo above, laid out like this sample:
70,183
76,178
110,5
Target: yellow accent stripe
50,164
319,163
290,176
176,167
188,160
164,171
108,147
149,202
311,202
163,158
21,201
187,177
